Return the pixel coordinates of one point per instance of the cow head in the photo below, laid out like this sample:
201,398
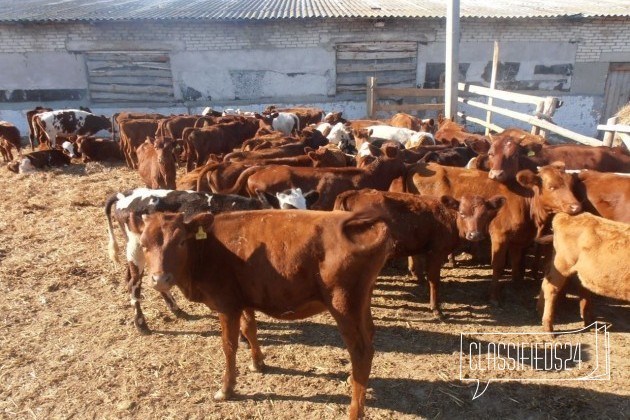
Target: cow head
289,199
167,240
503,158
313,138
474,214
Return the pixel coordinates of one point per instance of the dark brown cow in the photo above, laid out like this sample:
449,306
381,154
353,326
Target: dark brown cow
94,149
173,127
531,199
33,133
507,156
329,182
119,117
133,133
156,163
594,248
9,138
240,262
604,194
39,159
427,227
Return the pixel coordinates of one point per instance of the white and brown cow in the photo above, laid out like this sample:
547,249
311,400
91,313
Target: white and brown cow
70,121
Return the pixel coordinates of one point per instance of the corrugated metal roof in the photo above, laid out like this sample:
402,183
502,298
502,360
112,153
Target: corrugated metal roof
116,10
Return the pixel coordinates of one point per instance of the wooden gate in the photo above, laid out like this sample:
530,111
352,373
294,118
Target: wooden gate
617,89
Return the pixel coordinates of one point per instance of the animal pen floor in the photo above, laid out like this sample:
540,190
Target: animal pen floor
68,348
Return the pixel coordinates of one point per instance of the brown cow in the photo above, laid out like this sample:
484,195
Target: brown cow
450,132
413,123
306,116
94,149
507,156
172,127
329,182
427,226
119,117
133,133
240,262
604,194
9,138
531,199
156,163
34,133
594,248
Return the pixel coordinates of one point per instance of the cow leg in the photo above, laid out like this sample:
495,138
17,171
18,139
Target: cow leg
357,329
134,286
516,260
434,266
172,305
499,251
585,305
250,331
417,267
552,284
229,339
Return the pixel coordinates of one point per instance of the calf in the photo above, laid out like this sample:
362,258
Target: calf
236,263
530,200
404,136
9,138
156,163
427,226
96,150
33,132
146,201
306,116
595,249
413,123
38,160
286,122
133,132
70,121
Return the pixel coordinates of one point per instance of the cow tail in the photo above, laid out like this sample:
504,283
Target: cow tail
202,173
241,182
112,246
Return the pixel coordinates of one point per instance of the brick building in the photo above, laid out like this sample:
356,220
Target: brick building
180,56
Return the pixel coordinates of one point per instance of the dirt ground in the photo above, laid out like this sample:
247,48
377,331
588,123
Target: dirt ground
68,348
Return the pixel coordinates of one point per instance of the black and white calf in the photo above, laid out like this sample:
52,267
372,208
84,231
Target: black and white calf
135,203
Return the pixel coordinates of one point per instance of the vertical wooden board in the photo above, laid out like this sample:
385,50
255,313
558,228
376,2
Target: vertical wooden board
617,91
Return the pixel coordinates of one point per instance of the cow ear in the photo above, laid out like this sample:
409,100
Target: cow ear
311,198
496,202
528,179
449,202
559,165
391,151
478,146
269,201
199,225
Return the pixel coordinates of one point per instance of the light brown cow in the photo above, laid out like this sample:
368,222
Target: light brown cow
156,163
9,138
604,194
531,199
427,229
246,261
594,248
133,133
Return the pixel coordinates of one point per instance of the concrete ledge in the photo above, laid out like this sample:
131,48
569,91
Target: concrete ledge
81,46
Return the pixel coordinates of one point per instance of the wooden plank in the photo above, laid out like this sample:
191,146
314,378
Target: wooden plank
133,80
377,46
360,66
410,92
160,90
499,94
619,66
370,96
390,77
408,107
618,128
535,121
483,123
493,83
95,65
130,73
129,57
379,55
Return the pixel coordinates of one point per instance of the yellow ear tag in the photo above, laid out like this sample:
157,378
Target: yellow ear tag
200,235
531,153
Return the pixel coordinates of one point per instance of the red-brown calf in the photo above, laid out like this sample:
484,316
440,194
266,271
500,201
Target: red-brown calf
156,163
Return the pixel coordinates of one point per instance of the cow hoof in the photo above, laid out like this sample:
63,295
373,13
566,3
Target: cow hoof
257,367
222,395
142,327
438,315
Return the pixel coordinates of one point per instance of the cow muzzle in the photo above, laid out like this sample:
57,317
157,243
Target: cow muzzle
497,174
574,208
162,281
474,236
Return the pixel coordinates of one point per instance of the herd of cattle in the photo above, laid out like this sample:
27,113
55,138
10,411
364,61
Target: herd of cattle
401,187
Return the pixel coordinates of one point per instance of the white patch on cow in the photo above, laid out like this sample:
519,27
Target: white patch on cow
69,148
53,126
324,127
364,150
294,198
338,133
141,193
26,167
134,251
207,110
209,200
420,138
285,122
329,115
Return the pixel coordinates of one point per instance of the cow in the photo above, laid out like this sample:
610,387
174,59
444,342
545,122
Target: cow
70,121
39,159
507,156
145,201
306,116
427,226
133,132
453,156
329,182
156,163
119,117
9,138
594,248
285,122
604,194
530,201
450,132
413,123
405,136
241,262
33,133
94,149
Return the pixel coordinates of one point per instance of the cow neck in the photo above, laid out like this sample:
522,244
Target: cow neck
382,172
197,265
537,213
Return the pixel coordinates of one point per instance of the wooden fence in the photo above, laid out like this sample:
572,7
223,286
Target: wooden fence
540,119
